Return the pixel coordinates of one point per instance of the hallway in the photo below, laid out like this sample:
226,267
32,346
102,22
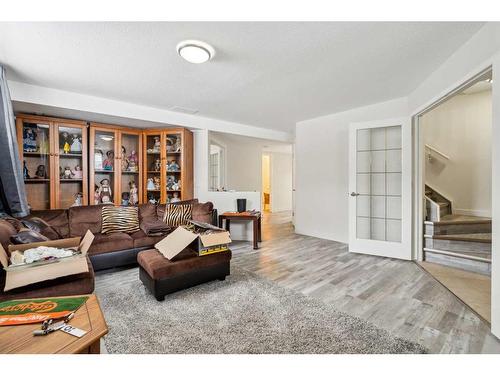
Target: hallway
392,294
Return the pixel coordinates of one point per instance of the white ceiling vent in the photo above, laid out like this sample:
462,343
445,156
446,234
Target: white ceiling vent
189,111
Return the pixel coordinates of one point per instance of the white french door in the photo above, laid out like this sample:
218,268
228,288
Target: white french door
380,188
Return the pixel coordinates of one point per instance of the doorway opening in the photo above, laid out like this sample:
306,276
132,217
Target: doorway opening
455,178
266,183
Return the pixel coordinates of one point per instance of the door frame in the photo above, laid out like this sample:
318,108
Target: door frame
418,164
388,249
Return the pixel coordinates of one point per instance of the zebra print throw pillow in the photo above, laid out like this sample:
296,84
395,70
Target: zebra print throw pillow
119,219
177,214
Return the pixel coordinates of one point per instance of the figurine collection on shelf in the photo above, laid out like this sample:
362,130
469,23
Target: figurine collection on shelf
29,139
130,163
70,144
173,184
172,166
104,194
156,146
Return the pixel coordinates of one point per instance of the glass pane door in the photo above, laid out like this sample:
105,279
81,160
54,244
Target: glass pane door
70,167
36,164
173,167
104,167
379,184
153,165
129,169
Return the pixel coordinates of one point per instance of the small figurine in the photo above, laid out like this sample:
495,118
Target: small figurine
67,173
105,193
77,172
170,182
175,198
156,166
63,140
125,198
97,196
26,173
150,184
29,140
42,142
170,144
156,181
78,200
134,197
125,162
172,166
152,199
76,144
98,159
157,145
133,161
178,144
176,185
41,172
107,164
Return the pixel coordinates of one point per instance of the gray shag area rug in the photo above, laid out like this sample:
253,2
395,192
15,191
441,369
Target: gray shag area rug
243,314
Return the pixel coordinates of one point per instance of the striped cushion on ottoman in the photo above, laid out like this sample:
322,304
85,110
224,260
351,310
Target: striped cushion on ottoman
119,219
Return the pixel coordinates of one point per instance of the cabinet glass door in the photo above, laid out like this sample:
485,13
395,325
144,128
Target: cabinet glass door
70,162
173,167
104,167
153,167
37,164
129,164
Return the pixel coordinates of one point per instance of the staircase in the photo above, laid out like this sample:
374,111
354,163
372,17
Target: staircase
455,240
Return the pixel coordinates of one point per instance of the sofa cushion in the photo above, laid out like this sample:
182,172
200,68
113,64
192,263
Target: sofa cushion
177,215
159,267
160,209
106,243
203,212
142,240
84,218
57,219
6,231
39,225
82,283
27,236
119,219
147,212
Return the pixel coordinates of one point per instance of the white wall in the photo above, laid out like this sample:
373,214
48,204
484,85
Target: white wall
321,162
461,128
281,181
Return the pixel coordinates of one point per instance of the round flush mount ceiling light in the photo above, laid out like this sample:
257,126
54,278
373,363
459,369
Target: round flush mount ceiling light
195,51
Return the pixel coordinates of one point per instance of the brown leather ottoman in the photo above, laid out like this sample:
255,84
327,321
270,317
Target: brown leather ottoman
162,276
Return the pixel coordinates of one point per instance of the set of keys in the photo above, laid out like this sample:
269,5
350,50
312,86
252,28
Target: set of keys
49,326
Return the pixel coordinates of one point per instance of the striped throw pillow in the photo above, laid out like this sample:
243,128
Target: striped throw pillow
177,214
119,219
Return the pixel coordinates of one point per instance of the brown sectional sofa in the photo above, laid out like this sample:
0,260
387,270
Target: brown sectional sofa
107,250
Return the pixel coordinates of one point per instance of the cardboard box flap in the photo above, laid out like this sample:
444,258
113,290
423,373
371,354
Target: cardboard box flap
86,242
207,226
4,259
175,242
214,239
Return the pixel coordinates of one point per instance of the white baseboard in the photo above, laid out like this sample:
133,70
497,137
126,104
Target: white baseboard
470,212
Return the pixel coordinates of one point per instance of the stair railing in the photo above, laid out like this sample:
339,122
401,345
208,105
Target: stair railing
433,149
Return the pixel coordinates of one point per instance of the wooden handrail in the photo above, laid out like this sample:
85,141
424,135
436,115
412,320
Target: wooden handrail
437,151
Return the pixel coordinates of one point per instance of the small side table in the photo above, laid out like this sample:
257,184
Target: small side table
255,217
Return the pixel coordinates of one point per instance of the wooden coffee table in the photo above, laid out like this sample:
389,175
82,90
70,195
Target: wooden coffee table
255,217
19,339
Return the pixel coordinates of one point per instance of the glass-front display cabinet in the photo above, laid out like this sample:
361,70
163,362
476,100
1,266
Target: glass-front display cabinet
115,165
168,165
53,154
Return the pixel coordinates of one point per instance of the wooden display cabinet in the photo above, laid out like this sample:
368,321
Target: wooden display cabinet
53,153
168,163
115,155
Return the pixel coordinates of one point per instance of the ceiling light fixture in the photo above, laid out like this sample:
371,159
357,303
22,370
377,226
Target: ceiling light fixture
195,51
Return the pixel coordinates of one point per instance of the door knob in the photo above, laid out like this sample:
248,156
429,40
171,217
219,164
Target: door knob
353,194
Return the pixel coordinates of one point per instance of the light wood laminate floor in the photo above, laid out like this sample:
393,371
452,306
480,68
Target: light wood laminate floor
392,294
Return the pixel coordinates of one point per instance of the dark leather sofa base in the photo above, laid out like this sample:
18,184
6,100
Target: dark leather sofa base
118,258
160,288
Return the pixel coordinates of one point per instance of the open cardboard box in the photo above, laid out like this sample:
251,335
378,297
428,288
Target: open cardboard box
182,238
17,276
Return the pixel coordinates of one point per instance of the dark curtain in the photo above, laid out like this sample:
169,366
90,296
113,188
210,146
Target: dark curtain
12,193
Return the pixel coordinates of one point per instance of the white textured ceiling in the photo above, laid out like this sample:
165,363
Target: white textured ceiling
264,74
